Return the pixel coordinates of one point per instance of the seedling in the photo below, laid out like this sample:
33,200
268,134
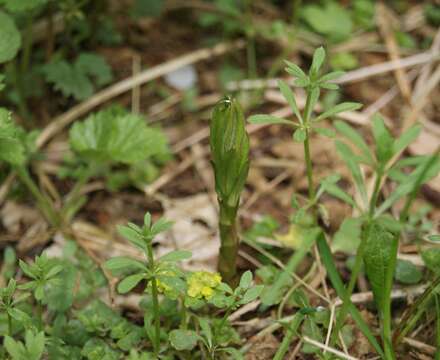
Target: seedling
161,272
230,159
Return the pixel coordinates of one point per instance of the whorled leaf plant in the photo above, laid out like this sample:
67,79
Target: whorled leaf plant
229,144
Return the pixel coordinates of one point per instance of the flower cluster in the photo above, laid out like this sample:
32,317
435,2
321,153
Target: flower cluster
201,284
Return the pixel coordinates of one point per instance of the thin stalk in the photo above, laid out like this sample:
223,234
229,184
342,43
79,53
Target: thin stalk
309,167
44,204
9,324
155,295
437,328
183,315
27,44
229,243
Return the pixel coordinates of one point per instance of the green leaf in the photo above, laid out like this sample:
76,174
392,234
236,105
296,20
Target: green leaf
434,238
377,257
10,38
331,20
15,348
431,258
348,236
331,76
177,255
94,66
325,132
183,339
261,119
384,140
300,135
337,192
29,270
290,97
352,135
68,79
134,237
78,79
295,70
332,273
345,106
246,280
251,294
351,162
123,262
406,138
22,6
317,61
112,136
147,220
161,225
12,150
130,282
407,272
35,344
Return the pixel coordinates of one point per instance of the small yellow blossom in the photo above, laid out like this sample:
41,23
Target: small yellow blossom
201,284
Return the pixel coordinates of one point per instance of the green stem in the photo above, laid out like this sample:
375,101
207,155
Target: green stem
155,295
309,167
227,263
44,204
27,44
183,315
9,324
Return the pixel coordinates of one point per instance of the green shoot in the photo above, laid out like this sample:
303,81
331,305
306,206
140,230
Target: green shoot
230,158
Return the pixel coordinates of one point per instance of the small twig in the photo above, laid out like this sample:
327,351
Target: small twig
327,348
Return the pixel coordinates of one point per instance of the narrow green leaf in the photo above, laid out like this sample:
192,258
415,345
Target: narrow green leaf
351,162
262,119
352,135
339,108
384,140
134,237
317,61
290,97
130,282
331,76
337,283
123,262
177,255
406,138
295,70
325,132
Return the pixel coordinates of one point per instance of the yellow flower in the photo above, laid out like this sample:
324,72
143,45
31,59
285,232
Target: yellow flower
201,284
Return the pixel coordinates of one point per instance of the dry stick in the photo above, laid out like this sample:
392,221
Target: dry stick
327,348
383,20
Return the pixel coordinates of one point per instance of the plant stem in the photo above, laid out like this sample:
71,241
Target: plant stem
45,205
229,243
183,315
27,44
9,324
291,332
155,295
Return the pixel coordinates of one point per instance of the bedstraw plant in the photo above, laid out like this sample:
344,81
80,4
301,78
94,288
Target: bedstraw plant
380,231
